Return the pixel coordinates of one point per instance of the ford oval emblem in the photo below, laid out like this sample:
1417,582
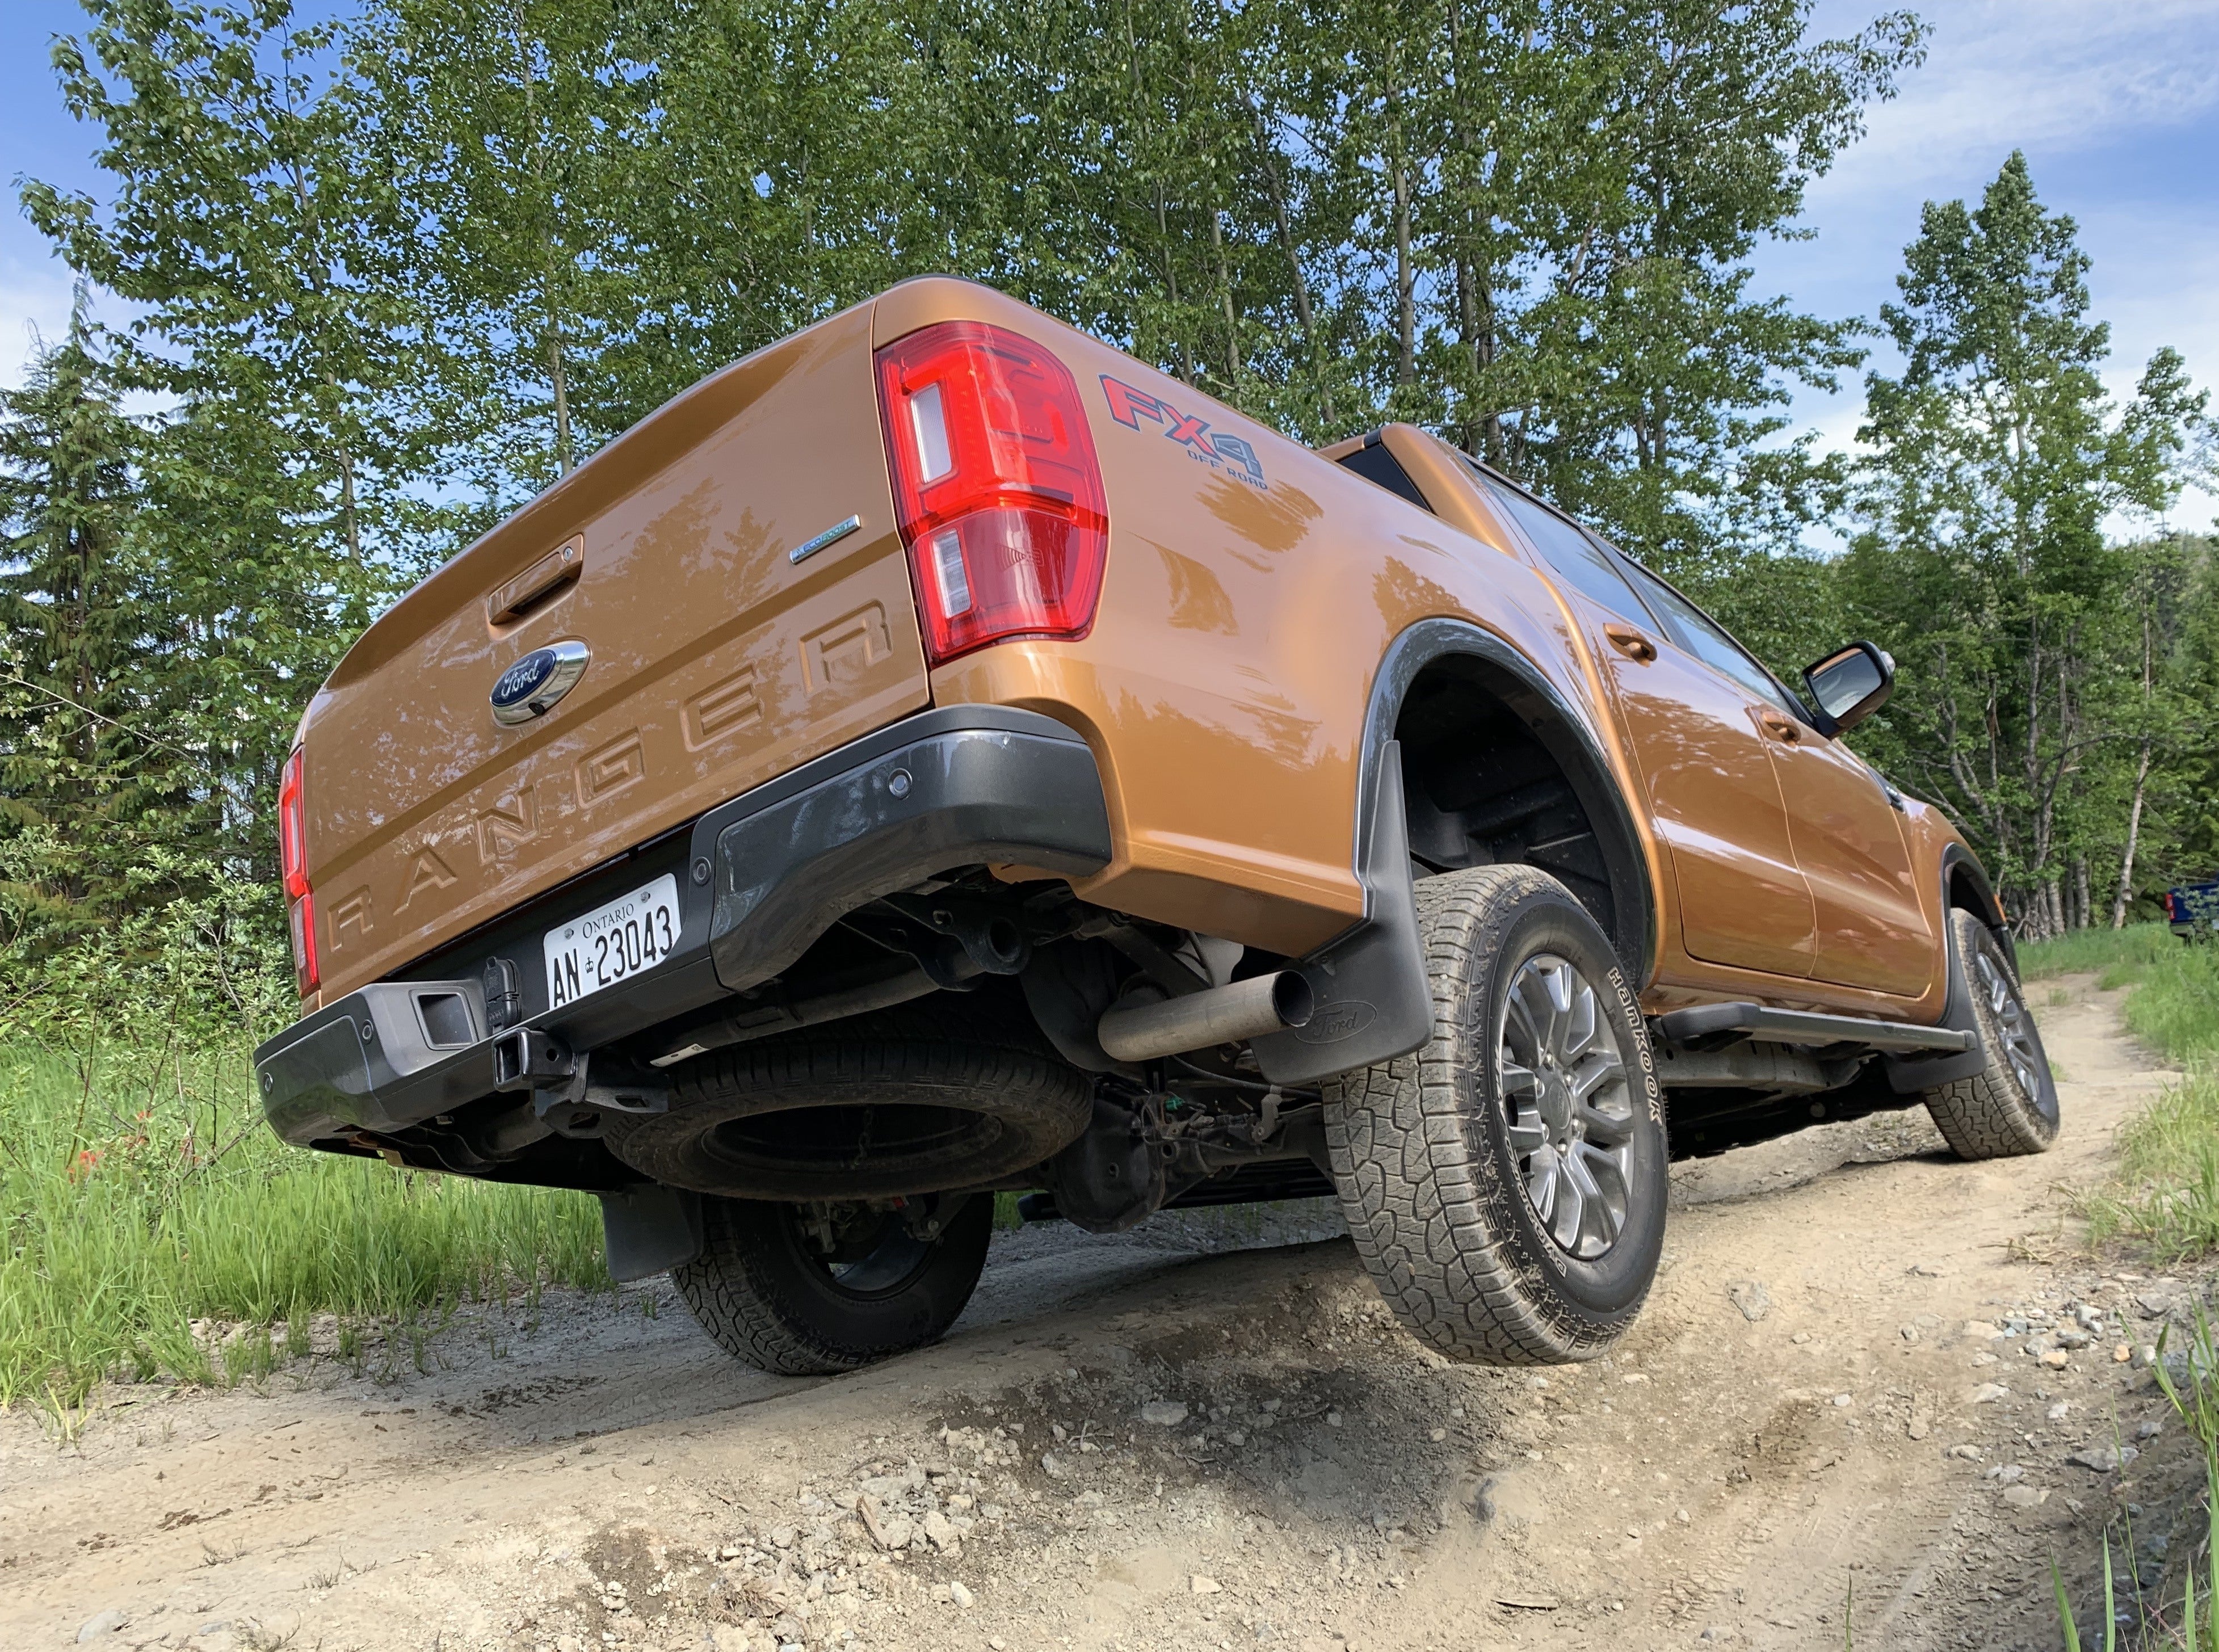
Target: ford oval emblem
532,685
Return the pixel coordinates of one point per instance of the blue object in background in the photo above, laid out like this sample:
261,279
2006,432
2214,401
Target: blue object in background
2193,911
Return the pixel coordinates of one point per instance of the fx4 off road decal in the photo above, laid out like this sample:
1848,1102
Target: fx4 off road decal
1219,449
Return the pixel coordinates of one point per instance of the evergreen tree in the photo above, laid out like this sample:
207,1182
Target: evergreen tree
1998,456
79,696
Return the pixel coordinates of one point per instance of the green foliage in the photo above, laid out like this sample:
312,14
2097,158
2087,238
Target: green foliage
2165,1197
2084,951
2046,658
143,1192
78,765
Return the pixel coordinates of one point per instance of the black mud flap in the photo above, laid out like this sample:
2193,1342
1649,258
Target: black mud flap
1373,1000
1908,1075
650,1230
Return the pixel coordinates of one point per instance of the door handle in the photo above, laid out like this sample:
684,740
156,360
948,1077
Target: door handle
1784,730
1629,641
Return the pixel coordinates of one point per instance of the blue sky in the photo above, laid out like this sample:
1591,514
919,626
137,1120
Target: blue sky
2115,103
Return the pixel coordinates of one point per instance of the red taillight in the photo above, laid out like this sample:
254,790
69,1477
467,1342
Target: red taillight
305,972
293,869
292,836
995,484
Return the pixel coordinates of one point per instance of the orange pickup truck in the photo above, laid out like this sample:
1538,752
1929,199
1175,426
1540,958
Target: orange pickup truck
939,754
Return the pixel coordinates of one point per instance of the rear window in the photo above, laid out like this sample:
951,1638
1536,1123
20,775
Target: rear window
1583,563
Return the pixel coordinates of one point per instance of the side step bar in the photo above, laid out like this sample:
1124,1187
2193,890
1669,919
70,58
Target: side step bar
1714,1026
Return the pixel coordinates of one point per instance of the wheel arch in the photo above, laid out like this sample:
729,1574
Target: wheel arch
1444,649
1964,884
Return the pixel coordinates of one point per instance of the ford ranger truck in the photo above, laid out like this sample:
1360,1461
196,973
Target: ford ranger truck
940,754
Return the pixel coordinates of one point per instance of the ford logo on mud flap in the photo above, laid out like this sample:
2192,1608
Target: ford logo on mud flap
1335,1022
530,686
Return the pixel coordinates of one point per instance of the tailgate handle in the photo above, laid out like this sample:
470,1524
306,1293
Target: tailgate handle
558,566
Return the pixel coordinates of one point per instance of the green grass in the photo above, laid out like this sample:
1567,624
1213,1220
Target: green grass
2165,1197
142,1192
2163,1201
2193,1626
2175,1011
2081,952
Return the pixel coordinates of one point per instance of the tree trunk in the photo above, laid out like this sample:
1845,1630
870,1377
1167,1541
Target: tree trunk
1225,293
562,384
1406,284
2133,841
349,513
557,378
2126,888
2080,897
1302,287
1170,283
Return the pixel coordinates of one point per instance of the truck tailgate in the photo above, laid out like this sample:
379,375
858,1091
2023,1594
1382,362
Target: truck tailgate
716,659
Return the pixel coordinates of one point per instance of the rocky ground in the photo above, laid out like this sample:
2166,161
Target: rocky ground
1873,1384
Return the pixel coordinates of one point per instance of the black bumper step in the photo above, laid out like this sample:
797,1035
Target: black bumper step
1714,1026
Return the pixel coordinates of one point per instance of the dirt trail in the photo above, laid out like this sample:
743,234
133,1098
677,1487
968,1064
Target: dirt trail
1801,1410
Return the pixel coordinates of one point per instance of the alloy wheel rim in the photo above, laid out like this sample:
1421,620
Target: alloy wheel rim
1567,1105
884,1258
2020,1050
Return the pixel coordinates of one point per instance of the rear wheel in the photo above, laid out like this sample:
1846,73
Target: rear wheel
807,1290
1505,1184
2010,1106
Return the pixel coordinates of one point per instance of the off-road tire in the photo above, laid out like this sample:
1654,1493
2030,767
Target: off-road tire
980,1094
764,1297
1993,1115
1422,1152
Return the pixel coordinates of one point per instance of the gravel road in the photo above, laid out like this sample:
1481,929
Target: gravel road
1859,1388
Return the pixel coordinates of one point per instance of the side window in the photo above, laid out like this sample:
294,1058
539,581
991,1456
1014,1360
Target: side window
1572,554
1704,637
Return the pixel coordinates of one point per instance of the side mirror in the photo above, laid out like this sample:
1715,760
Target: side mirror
1850,685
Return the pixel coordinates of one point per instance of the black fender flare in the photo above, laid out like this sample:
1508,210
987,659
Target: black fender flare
1374,1000
1564,733
1960,864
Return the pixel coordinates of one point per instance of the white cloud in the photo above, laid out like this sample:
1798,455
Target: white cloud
2055,74
2117,106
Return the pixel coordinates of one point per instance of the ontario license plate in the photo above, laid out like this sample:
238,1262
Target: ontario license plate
612,943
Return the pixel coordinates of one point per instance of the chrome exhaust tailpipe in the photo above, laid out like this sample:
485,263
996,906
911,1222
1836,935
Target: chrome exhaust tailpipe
1222,1015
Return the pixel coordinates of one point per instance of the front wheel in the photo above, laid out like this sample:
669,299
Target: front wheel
2010,1106
1505,1184
807,1290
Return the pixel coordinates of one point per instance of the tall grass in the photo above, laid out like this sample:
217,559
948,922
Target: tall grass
142,1192
2195,1398
2165,1197
2176,1008
2163,1201
2083,951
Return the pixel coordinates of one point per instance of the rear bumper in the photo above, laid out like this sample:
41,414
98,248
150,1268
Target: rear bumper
760,879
